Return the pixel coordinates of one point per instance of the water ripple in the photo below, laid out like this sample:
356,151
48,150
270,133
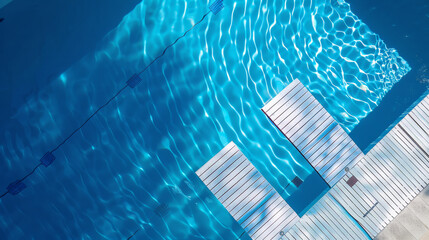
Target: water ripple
132,166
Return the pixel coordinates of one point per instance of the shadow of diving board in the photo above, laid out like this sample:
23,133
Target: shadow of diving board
312,130
246,194
391,175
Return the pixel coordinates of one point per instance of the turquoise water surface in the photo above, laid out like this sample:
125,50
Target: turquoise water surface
132,166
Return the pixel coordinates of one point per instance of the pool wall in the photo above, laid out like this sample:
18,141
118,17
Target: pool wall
308,193
408,34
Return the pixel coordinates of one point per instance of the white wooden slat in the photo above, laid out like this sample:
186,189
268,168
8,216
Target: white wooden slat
308,142
304,102
342,232
321,143
246,194
226,154
384,159
388,169
294,121
422,119
361,201
411,173
321,155
326,220
241,177
382,211
271,204
322,224
414,153
284,117
392,173
249,221
340,216
285,106
421,116
415,132
353,207
395,189
332,153
315,110
339,154
324,126
234,164
228,195
420,123
240,207
279,96
214,159
367,201
255,197
297,234
276,219
311,228
334,173
310,125
401,151
275,234
385,193
285,97
304,121
357,210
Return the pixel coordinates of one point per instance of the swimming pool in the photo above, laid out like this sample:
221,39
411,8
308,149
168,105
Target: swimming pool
133,164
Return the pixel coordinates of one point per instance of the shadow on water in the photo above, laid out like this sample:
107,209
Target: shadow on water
40,40
403,25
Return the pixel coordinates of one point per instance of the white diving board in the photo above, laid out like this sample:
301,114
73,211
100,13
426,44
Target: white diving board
391,175
246,194
326,220
313,131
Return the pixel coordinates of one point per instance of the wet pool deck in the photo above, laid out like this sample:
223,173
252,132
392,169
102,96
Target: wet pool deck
368,191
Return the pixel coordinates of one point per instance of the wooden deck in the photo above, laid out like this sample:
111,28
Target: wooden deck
326,220
391,174
313,131
245,193
367,195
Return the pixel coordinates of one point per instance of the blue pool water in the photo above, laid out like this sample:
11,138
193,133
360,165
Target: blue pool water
132,166
308,193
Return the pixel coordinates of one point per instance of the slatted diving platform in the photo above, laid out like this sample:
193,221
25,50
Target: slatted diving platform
313,131
391,175
246,194
367,192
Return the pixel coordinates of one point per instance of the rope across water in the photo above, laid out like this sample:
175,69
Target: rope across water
20,183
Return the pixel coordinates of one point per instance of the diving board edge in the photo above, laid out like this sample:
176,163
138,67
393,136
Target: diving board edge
246,194
313,132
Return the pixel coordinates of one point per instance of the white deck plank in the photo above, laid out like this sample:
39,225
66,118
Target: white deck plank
309,127
389,176
246,194
393,173
279,96
326,220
